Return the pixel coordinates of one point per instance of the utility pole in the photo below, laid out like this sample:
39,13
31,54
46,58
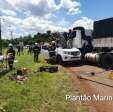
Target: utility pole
0,36
12,37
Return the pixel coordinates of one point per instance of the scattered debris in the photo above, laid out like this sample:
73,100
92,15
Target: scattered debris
50,69
110,75
89,74
23,71
20,76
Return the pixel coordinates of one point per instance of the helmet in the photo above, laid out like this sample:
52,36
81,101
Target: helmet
36,43
10,45
53,42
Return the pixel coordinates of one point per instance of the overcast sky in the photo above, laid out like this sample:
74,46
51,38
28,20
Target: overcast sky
31,16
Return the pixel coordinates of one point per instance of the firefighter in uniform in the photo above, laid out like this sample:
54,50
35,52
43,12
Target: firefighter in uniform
10,56
36,51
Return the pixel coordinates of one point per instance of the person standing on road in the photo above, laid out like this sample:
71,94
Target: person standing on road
10,56
36,51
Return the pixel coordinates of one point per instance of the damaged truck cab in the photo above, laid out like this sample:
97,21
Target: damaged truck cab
98,46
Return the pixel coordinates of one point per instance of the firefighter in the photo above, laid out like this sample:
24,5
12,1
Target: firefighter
18,50
52,46
10,56
30,49
36,51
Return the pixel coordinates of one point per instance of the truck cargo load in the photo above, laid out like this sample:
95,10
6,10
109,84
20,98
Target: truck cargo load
103,28
103,33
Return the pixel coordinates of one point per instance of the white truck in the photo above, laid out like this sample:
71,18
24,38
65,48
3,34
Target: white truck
63,54
67,55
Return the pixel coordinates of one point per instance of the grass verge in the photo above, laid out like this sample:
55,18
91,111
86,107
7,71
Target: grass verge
42,92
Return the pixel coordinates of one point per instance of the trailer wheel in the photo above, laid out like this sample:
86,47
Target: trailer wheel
107,61
59,60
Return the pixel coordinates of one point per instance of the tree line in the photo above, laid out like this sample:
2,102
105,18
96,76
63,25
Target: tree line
29,39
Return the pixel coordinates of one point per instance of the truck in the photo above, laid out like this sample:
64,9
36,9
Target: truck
62,53
67,55
96,46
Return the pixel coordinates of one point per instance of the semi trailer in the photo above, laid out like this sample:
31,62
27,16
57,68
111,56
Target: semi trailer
96,46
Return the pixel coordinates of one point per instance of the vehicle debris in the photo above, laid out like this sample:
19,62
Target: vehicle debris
20,76
50,69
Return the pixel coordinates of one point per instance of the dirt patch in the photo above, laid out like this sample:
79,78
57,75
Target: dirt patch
91,88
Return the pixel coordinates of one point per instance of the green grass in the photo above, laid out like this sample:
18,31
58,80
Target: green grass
42,92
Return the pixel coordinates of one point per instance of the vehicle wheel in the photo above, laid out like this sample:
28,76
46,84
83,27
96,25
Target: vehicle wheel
59,60
107,61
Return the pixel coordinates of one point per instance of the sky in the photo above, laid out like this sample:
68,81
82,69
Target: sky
23,17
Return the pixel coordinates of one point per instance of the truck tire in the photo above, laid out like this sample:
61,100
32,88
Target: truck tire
107,61
59,60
